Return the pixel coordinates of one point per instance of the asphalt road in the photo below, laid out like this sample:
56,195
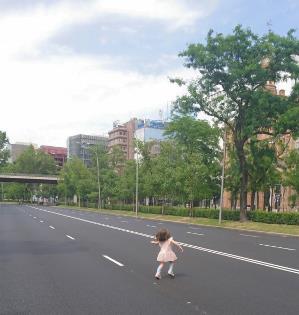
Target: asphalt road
63,261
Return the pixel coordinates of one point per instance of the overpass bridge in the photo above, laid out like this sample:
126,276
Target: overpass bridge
29,178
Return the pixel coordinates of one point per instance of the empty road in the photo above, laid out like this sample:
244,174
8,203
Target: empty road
64,261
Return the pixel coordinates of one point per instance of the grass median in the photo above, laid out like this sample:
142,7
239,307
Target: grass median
246,226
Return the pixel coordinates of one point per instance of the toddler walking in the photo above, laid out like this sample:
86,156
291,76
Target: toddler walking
166,254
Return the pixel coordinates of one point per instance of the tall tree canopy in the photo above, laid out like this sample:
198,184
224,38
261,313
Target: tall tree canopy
233,72
4,154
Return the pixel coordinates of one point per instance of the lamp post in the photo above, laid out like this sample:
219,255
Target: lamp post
137,180
222,176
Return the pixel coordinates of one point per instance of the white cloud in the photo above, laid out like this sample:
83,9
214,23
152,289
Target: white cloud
44,100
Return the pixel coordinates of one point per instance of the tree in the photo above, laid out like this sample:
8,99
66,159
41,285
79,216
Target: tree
76,179
291,176
4,153
233,72
33,161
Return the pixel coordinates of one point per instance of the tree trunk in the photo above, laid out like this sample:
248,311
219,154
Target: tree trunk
243,180
252,204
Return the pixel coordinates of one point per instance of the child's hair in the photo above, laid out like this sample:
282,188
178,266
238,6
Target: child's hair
163,235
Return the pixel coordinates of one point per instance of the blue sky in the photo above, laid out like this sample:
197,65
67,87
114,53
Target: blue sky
74,66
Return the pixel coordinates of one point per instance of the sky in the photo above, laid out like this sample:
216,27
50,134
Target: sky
76,66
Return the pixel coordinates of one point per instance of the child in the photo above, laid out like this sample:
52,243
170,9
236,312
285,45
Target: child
166,253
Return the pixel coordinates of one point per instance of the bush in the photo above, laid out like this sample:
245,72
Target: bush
291,218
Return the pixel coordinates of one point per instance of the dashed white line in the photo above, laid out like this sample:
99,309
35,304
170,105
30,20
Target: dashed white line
70,237
51,227
279,247
153,226
248,235
193,233
41,221
203,249
124,221
113,260
34,217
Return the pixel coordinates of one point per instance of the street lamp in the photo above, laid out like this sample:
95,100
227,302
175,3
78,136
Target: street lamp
137,180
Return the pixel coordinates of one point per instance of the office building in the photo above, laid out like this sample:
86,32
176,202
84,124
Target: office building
80,146
122,135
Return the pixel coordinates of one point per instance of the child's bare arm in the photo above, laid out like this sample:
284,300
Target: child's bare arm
178,245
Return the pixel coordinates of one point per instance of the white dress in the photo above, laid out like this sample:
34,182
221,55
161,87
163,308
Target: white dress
166,253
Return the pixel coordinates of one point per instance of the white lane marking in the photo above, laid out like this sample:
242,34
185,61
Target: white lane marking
153,226
41,221
203,249
279,247
113,260
124,221
249,235
194,228
34,217
193,233
69,237
51,227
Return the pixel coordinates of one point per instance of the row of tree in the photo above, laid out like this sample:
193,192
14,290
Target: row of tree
233,72
185,170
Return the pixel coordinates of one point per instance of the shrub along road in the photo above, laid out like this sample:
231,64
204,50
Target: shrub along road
64,261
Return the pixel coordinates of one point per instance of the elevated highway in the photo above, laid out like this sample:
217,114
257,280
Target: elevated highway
29,178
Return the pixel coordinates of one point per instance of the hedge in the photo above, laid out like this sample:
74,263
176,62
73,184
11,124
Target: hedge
290,218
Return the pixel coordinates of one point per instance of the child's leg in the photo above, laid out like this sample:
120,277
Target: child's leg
170,270
159,269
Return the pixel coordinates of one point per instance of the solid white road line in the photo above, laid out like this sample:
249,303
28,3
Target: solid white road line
113,260
69,237
203,249
249,235
193,233
279,247
51,227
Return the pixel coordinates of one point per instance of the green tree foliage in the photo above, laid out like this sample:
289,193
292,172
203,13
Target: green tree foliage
291,176
33,161
233,72
4,153
76,179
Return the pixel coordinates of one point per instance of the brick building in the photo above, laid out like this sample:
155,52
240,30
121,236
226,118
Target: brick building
59,154
122,135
